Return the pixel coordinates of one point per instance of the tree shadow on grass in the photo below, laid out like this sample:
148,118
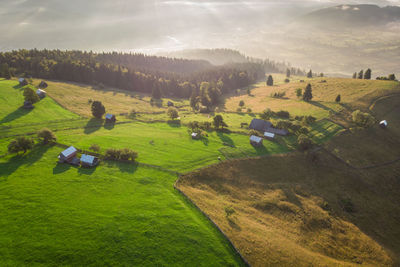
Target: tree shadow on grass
61,167
87,171
109,126
260,150
318,104
93,125
174,123
226,140
20,112
122,166
29,158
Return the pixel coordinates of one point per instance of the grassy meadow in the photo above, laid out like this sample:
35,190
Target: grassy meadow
116,214
12,113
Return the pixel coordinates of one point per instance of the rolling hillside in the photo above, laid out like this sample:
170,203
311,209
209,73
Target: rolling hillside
337,205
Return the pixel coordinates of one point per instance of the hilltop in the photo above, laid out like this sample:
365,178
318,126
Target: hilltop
352,16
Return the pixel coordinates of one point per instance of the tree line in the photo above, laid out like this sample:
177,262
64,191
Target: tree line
111,70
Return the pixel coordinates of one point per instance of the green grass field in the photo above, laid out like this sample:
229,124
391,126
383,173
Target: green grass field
168,146
12,113
117,214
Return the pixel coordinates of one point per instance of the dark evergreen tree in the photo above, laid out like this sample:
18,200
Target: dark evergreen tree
367,74
355,75
361,74
288,73
98,109
307,96
310,74
218,121
392,77
338,98
156,94
270,81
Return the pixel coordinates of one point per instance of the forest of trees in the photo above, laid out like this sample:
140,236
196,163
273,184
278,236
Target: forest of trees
133,72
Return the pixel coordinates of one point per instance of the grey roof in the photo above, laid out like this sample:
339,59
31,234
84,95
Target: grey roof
109,116
21,80
269,135
384,122
40,91
259,125
255,139
69,151
277,131
89,159
194,134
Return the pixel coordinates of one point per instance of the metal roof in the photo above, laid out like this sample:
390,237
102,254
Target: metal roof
384,122
69,151
268,134
109,116
277,131
89,159
40,91
256,139
259,125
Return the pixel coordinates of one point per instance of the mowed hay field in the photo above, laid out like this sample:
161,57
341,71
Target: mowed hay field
12,113
354,93
115,215
78,97
312,208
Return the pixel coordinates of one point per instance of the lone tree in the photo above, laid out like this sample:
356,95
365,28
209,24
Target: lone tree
309,74
241,103
219,122
288,73
361,74
21,143
270,81
46,135
338,98
30,95
299,92
172,112
355,75
307,96
98,109
367,74
392,77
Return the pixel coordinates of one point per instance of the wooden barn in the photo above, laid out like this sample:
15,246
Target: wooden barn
110,118
41,93
43,85
260,125
195,136
22,81
28,105
256,141
89,160
69,156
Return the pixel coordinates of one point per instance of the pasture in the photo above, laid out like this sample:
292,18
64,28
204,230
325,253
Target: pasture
116,214
12,113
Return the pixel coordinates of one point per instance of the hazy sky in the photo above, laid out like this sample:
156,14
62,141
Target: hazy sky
146,25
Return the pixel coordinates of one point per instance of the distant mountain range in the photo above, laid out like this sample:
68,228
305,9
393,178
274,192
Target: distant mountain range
352,16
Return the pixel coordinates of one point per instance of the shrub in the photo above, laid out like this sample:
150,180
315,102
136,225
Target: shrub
303,130
229,211
249,110
255,132
112,154
392,77
132,114
239,110
30,95
266,114
21,143
283,114
46,135
98,109
241,103
338,98
121,154
95,147
299,92
278,95
205,125
270,81
363,119
282,124
287,80
308,120
244,124
172,112
304,142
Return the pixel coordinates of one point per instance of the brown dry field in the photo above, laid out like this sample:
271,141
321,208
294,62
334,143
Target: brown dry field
312,209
